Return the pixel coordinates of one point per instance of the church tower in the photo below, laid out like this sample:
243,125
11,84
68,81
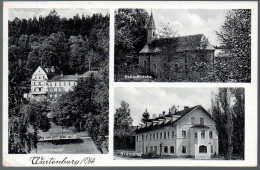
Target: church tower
151,29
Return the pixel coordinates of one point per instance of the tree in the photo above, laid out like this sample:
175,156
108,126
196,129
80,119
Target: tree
235,38
145,116
166,30
122,117
123,138
228,111
130,36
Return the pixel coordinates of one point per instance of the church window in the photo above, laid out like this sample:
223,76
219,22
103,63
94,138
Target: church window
153,34
155,66
203,149
176,67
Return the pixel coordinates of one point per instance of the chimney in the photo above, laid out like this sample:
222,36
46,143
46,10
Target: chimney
163,113
186,107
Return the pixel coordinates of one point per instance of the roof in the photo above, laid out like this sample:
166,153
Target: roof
64,78
88,73
151,23
179,44
181,113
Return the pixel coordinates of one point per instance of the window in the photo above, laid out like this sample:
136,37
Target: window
202,134
193,120
155,66
176,67
164,135
151,148
144,63
172,134
154,136
168,135
172,149
160,135
203,149
184,133
165,149
211,148
157,135
210,134
40,89
183,150
146,149
196,135
142,137
146,137
150,136
202,121
155,149
136,138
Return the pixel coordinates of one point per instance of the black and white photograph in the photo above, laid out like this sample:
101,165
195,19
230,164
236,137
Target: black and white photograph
182,45
58,85
179,123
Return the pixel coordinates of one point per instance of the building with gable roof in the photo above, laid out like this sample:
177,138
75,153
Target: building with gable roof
187,133
48,83
184,54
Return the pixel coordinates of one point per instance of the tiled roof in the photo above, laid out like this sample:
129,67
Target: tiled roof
64,78
178,44
181,113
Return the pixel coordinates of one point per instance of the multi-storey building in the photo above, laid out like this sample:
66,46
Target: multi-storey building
188,133
46,82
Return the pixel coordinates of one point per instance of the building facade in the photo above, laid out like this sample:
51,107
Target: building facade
188,133
183,57
47,83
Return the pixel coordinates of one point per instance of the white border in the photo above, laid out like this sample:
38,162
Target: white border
107,159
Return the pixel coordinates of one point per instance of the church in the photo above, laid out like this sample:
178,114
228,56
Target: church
182,58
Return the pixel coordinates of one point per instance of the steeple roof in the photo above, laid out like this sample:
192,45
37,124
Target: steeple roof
151,23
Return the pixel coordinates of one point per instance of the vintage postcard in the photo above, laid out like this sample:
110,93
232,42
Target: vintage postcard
110,83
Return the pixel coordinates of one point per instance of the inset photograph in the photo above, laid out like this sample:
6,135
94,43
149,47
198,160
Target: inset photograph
183,45
58,81
179,123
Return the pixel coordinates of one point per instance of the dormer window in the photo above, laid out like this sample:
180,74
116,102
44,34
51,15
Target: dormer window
192,120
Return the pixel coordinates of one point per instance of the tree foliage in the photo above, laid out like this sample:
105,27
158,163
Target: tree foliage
235,38
145,116
228,109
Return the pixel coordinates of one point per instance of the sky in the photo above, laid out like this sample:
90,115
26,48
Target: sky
192,21
157,99
26,13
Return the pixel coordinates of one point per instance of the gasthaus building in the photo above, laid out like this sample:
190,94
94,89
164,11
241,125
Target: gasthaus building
187,133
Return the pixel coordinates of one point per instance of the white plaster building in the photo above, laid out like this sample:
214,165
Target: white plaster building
47,83
188,133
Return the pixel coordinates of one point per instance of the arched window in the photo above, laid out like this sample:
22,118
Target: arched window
203,149
176,67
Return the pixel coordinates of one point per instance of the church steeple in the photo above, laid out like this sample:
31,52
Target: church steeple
151,28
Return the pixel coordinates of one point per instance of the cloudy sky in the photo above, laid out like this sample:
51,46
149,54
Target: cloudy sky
192,21
157,100
27,13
